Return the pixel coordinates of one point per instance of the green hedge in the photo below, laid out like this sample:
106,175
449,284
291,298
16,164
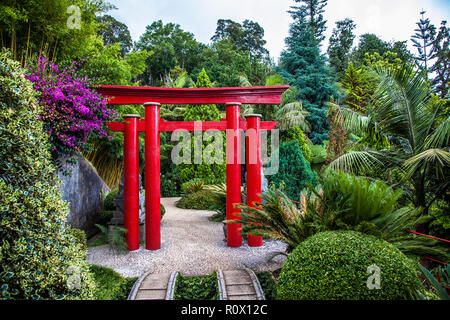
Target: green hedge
40,257
110,284
200,200
334,265
196,288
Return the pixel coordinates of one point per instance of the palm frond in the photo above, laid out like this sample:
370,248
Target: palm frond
434,159
293,114
356,161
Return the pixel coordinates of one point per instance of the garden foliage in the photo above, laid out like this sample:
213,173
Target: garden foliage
71,110
39,254
294,171
335,266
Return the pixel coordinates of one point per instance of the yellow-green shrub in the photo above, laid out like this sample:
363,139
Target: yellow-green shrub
39,253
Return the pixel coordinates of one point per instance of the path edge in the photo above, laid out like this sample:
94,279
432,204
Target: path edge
171,285
221,285
256,284
136,286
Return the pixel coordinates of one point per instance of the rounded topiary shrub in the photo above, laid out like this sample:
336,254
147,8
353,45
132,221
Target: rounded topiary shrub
339,265
40,258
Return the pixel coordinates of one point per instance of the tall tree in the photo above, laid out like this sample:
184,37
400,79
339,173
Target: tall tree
303,66
368,43
224,63
423,41
341,42
113,31
171,47
441,67
248,36
311,10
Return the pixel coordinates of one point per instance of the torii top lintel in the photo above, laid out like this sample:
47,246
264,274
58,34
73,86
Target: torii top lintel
140,95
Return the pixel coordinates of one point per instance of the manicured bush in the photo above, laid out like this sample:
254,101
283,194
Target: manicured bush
108,203
110,284
294,171
268,284
196,288
40,257
333,265
200,200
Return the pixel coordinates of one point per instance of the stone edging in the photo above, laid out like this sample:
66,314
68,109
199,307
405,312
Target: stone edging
137,284
221,285
256,284
171,285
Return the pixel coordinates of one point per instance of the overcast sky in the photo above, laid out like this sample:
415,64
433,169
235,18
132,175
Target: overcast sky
389,19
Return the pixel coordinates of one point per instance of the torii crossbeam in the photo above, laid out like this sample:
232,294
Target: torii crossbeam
152,97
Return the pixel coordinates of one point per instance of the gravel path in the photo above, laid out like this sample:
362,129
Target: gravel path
192,245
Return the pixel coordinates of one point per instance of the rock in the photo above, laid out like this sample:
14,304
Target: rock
82,188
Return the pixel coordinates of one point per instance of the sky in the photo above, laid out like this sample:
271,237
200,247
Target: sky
388,19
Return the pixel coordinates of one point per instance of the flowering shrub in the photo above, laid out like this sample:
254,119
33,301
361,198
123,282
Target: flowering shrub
71,110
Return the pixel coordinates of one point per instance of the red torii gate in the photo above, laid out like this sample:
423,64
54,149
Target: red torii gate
152,125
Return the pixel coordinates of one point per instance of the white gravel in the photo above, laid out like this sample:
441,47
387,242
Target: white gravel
192,245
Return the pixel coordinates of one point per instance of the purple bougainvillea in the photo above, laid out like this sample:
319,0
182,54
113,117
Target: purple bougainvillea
72,110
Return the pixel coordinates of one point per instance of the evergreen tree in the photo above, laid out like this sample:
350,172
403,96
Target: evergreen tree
359,87
423,41
294,172
341,42
311,10
303,66
441,67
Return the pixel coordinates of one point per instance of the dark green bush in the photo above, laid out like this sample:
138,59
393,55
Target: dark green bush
333,265
108,203
294,171
268,284
104,216
196,288
40,257
200,200
110,284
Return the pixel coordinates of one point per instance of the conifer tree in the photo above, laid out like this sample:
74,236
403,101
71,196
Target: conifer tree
341,42
423,41
441,67
303,66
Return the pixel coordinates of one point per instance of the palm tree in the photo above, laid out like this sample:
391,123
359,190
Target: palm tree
289,113
405,112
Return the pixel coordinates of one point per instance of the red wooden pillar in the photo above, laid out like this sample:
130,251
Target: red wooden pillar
253,161
234,238
152,177
131,181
